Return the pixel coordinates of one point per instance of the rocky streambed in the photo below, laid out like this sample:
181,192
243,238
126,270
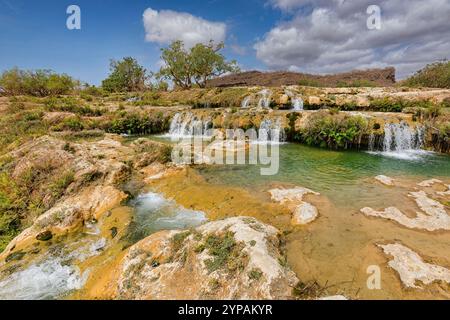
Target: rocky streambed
111,217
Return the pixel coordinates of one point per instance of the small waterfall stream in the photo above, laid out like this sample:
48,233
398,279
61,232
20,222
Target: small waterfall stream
264,101
271,132
297,103
399,141
296,100
185,125
246,102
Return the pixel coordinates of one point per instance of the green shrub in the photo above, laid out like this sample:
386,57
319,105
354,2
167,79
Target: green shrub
70,104
334,131
310,83
435,75
38,83
136,123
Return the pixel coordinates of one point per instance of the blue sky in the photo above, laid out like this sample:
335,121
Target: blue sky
34,33
323,36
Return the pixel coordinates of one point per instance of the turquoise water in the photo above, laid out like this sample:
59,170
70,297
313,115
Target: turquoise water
340,175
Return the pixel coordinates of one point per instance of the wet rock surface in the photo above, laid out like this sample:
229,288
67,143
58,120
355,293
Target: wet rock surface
302,212
413,271
235,258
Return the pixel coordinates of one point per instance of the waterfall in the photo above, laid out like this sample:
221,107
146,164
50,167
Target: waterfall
188,125
372,142
264,101
271,132
400,141
297,103
296,100
246,102
400,137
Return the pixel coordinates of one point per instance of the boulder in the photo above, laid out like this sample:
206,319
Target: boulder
235,258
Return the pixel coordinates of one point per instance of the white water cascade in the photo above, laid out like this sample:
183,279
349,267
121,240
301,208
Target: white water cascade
246,102
400,141
264,101
297,103
271,132
185,125
296,100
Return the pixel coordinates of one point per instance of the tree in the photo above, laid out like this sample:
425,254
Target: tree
176,65
126,76
12,81
36,83
207,62
198,65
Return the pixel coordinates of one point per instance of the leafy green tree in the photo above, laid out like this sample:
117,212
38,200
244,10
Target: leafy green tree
197,65
207,62
12,81
177,66
126,76
36,83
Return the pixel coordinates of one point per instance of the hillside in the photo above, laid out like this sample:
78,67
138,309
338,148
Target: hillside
372,77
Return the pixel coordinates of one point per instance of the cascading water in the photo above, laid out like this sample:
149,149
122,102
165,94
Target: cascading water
400,141
296,100
371,143
264,101
246,102
400,137
154,213
185,125
297,103
271,132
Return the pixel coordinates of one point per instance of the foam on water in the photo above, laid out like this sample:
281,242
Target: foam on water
42,281
154,213
412,155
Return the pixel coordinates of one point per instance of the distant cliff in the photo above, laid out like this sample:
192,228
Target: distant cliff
372,77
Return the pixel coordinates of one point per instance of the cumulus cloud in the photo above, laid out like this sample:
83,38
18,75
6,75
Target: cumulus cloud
166,26
332,36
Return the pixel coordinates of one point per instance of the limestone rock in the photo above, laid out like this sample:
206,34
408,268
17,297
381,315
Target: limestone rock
71,213
388,181
304,213
434,216
445,193
411,267
283,100
429,183
236,258
293,194
314,100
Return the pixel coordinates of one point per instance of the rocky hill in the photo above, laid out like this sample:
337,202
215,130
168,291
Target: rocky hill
375,77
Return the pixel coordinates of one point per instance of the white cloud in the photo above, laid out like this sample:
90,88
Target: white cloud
332,36
166,26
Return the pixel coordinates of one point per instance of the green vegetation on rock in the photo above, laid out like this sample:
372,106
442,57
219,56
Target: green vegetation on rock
435,75
38,83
